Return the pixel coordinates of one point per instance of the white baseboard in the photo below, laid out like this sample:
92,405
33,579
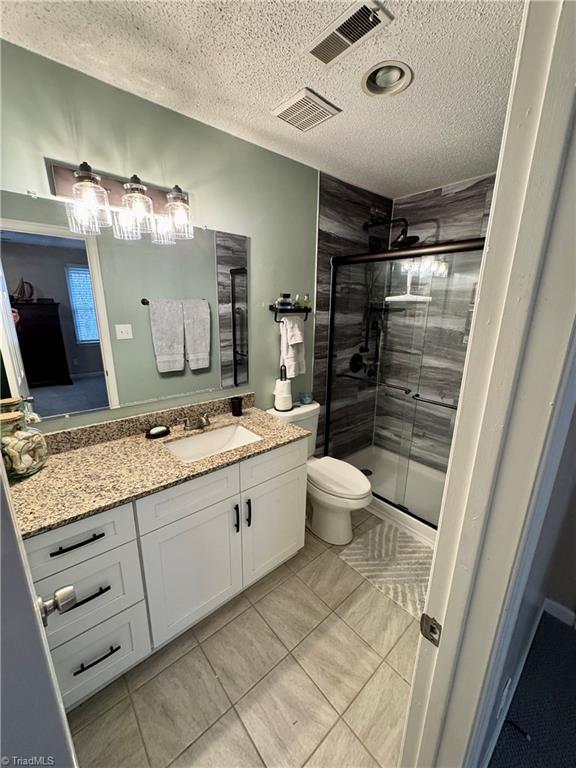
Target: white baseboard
560,612
387,512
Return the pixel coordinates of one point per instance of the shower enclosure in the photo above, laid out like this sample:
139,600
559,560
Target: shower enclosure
399,327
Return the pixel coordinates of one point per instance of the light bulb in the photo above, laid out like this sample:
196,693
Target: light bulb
125,225
139,203
178,210
163,233
90,201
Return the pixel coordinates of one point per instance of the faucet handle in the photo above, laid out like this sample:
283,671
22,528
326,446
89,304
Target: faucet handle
205,420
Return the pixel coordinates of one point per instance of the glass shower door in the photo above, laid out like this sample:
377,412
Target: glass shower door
453,279
404,312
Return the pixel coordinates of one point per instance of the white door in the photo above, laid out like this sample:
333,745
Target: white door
191,567
273,523
33,721
13,364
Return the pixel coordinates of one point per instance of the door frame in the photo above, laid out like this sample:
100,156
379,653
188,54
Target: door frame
511,424
91,246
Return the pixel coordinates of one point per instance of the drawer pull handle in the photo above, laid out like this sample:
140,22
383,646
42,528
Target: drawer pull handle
101,591
86,667
63,550
249,518
237,517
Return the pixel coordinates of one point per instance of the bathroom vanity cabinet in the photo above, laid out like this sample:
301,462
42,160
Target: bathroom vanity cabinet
145,572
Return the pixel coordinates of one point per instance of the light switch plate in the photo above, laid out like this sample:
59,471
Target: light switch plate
124,331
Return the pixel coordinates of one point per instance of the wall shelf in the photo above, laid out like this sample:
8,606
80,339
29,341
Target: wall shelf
289,311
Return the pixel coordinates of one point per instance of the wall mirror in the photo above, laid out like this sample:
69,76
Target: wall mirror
85,319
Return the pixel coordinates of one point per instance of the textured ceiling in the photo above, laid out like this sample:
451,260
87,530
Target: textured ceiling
228,63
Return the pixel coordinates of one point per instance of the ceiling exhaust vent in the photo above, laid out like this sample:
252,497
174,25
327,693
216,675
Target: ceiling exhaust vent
305,110
357,23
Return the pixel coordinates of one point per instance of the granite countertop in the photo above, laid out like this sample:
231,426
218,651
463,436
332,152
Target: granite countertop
81,482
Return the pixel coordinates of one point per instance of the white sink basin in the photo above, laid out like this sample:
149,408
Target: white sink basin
206,444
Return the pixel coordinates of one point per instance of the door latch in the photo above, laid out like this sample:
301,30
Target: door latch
430,629
63,600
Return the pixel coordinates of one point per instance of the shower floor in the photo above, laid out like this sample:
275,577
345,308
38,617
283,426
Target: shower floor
422,494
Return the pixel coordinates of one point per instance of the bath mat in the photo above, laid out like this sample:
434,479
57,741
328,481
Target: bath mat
395,562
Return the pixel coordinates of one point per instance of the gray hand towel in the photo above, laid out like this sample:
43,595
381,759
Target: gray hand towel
197,332
167,324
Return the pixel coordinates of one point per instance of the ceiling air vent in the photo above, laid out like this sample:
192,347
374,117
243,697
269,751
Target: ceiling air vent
357,23
305,110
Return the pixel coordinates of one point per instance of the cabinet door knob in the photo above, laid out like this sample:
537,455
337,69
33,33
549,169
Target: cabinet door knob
249,518
237,517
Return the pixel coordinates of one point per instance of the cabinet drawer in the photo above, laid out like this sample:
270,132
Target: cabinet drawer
165,507
71,544
105,585
260,468
93,659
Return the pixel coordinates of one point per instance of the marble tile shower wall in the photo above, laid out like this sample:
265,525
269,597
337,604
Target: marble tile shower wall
421,347
454,212
343,208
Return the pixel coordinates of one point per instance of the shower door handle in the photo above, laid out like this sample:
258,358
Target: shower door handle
434,402
396,386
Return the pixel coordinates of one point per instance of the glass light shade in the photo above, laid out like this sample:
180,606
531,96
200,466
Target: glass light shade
81,221
125,226
163,233
139,203
178,210
90,199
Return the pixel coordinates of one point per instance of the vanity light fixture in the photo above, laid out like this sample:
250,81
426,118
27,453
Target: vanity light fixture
132,208
139,204
178,212
89,210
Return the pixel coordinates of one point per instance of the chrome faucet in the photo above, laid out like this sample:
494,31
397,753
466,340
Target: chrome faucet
201,422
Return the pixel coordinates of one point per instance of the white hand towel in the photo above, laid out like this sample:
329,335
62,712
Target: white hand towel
295,329
167,325
291,355
197,332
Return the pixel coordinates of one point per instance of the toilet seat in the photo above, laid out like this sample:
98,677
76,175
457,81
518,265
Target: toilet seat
338,478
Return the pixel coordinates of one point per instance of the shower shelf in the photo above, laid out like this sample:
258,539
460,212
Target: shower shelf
289,311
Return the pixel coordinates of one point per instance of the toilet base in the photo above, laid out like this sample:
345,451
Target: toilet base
332,525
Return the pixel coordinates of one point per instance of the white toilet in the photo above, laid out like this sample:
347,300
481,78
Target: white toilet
335,488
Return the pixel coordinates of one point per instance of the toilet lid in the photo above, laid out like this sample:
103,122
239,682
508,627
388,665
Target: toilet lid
338,478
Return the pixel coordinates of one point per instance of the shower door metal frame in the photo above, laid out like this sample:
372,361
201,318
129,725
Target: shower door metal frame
438,249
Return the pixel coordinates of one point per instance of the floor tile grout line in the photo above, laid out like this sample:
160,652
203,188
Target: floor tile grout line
378,668
199,736
247,732
231,706
99,714
322,740
140,731
216,675
240,594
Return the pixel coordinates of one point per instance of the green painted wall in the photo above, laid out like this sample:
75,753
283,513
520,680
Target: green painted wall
49,110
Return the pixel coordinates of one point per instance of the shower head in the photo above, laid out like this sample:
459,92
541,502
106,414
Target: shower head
407,242
403,240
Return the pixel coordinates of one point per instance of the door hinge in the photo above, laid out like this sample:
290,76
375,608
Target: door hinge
430,629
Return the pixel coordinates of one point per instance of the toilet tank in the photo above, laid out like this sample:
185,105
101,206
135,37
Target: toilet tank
305,416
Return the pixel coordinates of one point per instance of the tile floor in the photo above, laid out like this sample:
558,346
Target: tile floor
311,666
